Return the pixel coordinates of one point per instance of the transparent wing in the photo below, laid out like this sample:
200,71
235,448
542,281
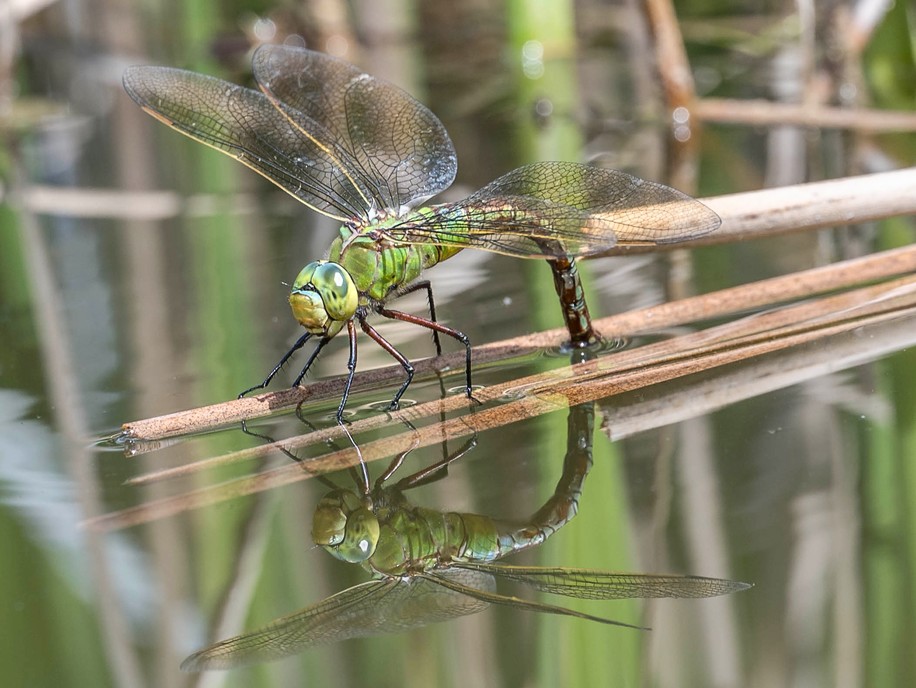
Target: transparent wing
551,209
285,146
397,148
371,608
491,597
606,585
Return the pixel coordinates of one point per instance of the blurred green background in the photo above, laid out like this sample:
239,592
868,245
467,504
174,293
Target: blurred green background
141,273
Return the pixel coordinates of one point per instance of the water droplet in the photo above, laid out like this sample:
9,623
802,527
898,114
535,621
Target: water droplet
264,29
533,59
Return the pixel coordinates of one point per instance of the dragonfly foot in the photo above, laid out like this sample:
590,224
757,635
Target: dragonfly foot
249,391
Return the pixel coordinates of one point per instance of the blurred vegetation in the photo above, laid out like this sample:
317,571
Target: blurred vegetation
513,82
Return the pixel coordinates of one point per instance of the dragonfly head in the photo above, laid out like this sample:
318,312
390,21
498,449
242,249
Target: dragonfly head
345,526
323,297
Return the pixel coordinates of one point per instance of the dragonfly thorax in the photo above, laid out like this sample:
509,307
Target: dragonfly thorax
323,297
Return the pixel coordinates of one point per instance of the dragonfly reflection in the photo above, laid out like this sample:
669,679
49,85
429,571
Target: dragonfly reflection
431,565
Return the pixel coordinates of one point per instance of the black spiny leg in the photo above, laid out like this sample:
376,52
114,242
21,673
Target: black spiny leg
436,327
312,357
351,366
417,286
395,354
295,347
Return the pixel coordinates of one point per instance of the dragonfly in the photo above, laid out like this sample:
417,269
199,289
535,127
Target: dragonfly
429,565
368,155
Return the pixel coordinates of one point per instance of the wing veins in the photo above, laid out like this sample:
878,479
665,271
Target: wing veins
284,636
520,603
345,168
607,585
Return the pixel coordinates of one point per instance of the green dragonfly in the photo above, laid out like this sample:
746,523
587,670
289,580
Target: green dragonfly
366,154
430,566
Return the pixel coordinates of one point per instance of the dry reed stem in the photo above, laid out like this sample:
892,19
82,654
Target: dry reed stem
704,307
759,113
750,337
673,65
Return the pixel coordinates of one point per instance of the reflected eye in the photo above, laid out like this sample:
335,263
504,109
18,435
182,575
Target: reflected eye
361,538
329,525
346,528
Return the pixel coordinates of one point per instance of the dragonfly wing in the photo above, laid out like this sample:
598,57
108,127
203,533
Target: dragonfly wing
606,585
321,623
246,125
492,597
371,608
551,209
399,148
634,209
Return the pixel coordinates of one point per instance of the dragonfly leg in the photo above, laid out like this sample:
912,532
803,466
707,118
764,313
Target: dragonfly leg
395,354
417,286
311,360
295,347
351,368
361,476
432,325
436,471
392,467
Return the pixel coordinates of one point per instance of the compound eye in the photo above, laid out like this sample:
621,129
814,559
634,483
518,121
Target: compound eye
361,537
304,277
345,527
329,525
337,290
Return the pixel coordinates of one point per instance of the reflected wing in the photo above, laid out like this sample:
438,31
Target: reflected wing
491,597
371,608
396,147
285,146
552,209
605,585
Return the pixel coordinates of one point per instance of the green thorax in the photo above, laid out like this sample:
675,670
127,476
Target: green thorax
415,539
379,265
